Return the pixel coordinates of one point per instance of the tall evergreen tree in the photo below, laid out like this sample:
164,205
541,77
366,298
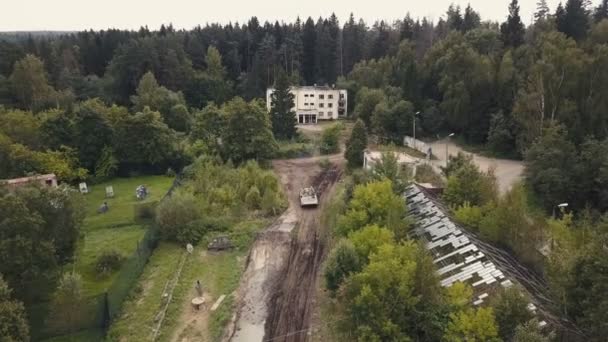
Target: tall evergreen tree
471,19
281,112
309,42
542,10
513,29
356,145
575,21
601,11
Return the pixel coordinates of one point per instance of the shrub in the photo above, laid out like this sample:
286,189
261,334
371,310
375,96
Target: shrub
325,164
109,261
253,198
175,214
294,150
342,262
330,140
469,216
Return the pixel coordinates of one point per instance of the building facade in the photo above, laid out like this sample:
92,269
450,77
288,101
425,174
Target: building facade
312,104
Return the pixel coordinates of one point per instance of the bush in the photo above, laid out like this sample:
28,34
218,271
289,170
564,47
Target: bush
325,164
294,150
469,216
342,262
109,261
253,198
175,214
330,140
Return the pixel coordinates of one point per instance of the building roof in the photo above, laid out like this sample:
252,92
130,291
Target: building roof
28,179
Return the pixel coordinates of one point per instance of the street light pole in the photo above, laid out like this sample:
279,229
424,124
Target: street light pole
560,206
414,132
447,157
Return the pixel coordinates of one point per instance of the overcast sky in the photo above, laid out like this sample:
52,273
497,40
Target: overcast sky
21,15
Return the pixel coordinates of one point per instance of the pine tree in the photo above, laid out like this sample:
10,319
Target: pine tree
281,111
309,42
356,145
542,10
471,20
513,29
601,12
575,21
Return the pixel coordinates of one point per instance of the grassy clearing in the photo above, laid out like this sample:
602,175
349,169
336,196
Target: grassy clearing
218,272
114,230
123,239
121,206
137,320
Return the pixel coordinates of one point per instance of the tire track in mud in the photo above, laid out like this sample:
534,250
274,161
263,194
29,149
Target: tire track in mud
291,304
276,291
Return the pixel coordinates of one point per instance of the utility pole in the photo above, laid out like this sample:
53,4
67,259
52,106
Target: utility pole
414,132
447,140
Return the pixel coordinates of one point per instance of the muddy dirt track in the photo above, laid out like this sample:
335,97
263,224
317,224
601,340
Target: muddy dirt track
274,299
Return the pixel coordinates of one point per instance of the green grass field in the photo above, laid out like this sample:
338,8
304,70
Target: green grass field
218,272
114,230
121,206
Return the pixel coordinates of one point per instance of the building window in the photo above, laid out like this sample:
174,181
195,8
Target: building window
321,113
321,96
342,96
330,113
330,96
321,105
330,105
312,95
305,95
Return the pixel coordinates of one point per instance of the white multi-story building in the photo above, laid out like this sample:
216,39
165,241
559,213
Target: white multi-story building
316,103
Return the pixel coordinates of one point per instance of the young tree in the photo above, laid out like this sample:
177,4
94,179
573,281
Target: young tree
380,301
67,309
13,321
341,263
375,203
472,325
513,29
511,310
30,83
356,145
281,111
330,140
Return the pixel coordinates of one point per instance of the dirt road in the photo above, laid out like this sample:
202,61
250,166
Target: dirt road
274,298
508,172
